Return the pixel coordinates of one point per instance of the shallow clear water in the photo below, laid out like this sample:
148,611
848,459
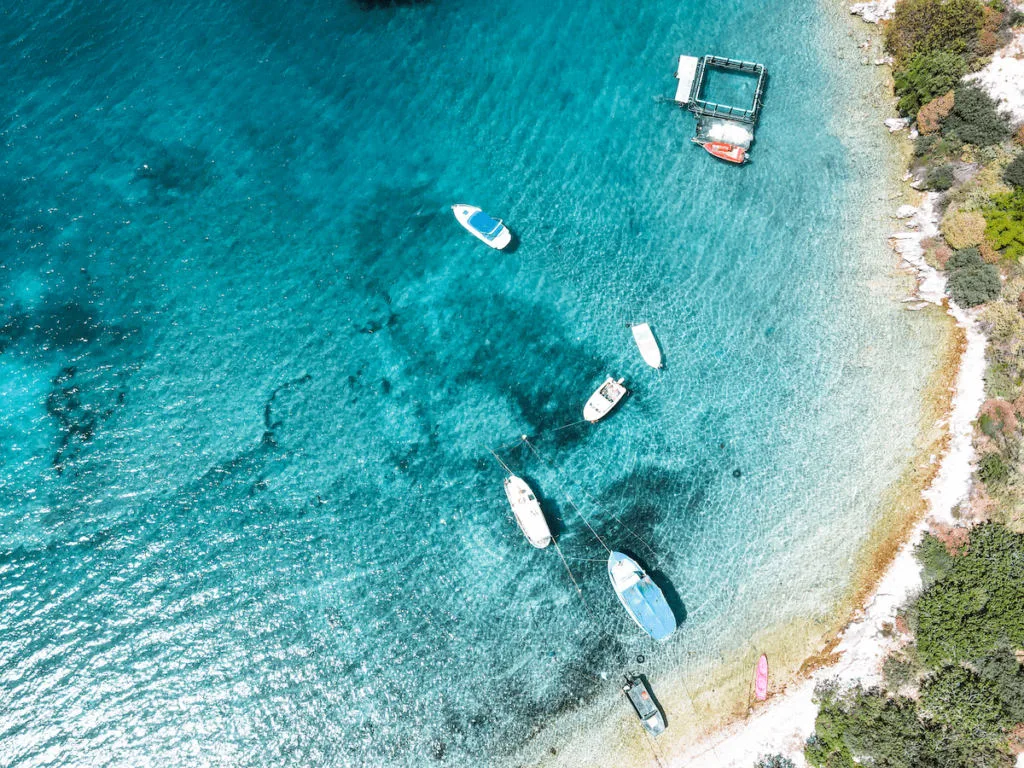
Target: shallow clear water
251,368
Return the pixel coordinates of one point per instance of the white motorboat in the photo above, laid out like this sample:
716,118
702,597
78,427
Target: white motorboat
527,510
483,227
649,350
642,598
604,399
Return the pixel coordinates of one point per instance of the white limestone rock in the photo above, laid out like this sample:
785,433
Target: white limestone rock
897,123
874,12
1003,78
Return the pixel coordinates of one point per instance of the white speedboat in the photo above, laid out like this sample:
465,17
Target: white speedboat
491,231
649,350
527,510
604,399
642,598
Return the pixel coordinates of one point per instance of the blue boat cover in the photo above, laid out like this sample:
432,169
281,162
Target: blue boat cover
645,602
484,224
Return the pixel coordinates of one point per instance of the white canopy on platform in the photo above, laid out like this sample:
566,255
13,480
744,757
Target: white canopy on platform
686,71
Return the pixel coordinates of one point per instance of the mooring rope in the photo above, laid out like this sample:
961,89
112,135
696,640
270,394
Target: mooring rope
593,501
568,497
498,459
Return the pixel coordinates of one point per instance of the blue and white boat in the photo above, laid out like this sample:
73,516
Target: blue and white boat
641,597
491,231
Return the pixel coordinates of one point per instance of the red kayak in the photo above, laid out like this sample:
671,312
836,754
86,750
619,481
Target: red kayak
728,152
761,679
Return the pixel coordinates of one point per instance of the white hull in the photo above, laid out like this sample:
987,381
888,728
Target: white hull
527,510
604,400
648,345
498,240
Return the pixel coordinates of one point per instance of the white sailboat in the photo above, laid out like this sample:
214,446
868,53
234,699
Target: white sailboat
648,345
527,510
604,399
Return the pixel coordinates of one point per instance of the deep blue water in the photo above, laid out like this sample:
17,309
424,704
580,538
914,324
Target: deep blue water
251,368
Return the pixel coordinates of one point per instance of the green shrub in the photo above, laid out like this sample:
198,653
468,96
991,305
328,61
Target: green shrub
934,558
993,469
965,257
939,178
957,696
926,76
928,26
1014,172
975,607
1004,671
1004,223
924,144
974,285
774,761
898,671
975,118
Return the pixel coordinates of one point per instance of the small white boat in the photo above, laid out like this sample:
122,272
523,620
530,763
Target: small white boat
527,510
648,344
604,400
483,227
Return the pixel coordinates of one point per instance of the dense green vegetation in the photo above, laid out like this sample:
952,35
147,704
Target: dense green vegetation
975,118
970,685
933,42
921,27
971,281
774,761
1014,172
925,77
939,178
975,606
1004,223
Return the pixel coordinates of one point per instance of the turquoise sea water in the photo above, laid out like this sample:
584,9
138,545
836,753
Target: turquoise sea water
251,368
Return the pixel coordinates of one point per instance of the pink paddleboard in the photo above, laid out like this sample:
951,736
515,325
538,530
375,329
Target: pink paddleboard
761,678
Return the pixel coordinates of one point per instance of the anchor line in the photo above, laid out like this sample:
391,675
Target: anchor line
568,497
579,591
564,426
593,501
498,459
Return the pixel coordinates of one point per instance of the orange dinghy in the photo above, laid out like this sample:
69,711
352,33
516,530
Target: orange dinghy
728,152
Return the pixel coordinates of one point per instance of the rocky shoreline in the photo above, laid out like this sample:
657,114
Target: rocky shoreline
784,725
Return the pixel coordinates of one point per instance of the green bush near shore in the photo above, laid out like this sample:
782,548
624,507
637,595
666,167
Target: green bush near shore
939,178
974,608
921,27
972,286
966,622
1013,174
975,118
926,76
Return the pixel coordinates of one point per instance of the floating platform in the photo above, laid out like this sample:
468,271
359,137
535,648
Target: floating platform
724,130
